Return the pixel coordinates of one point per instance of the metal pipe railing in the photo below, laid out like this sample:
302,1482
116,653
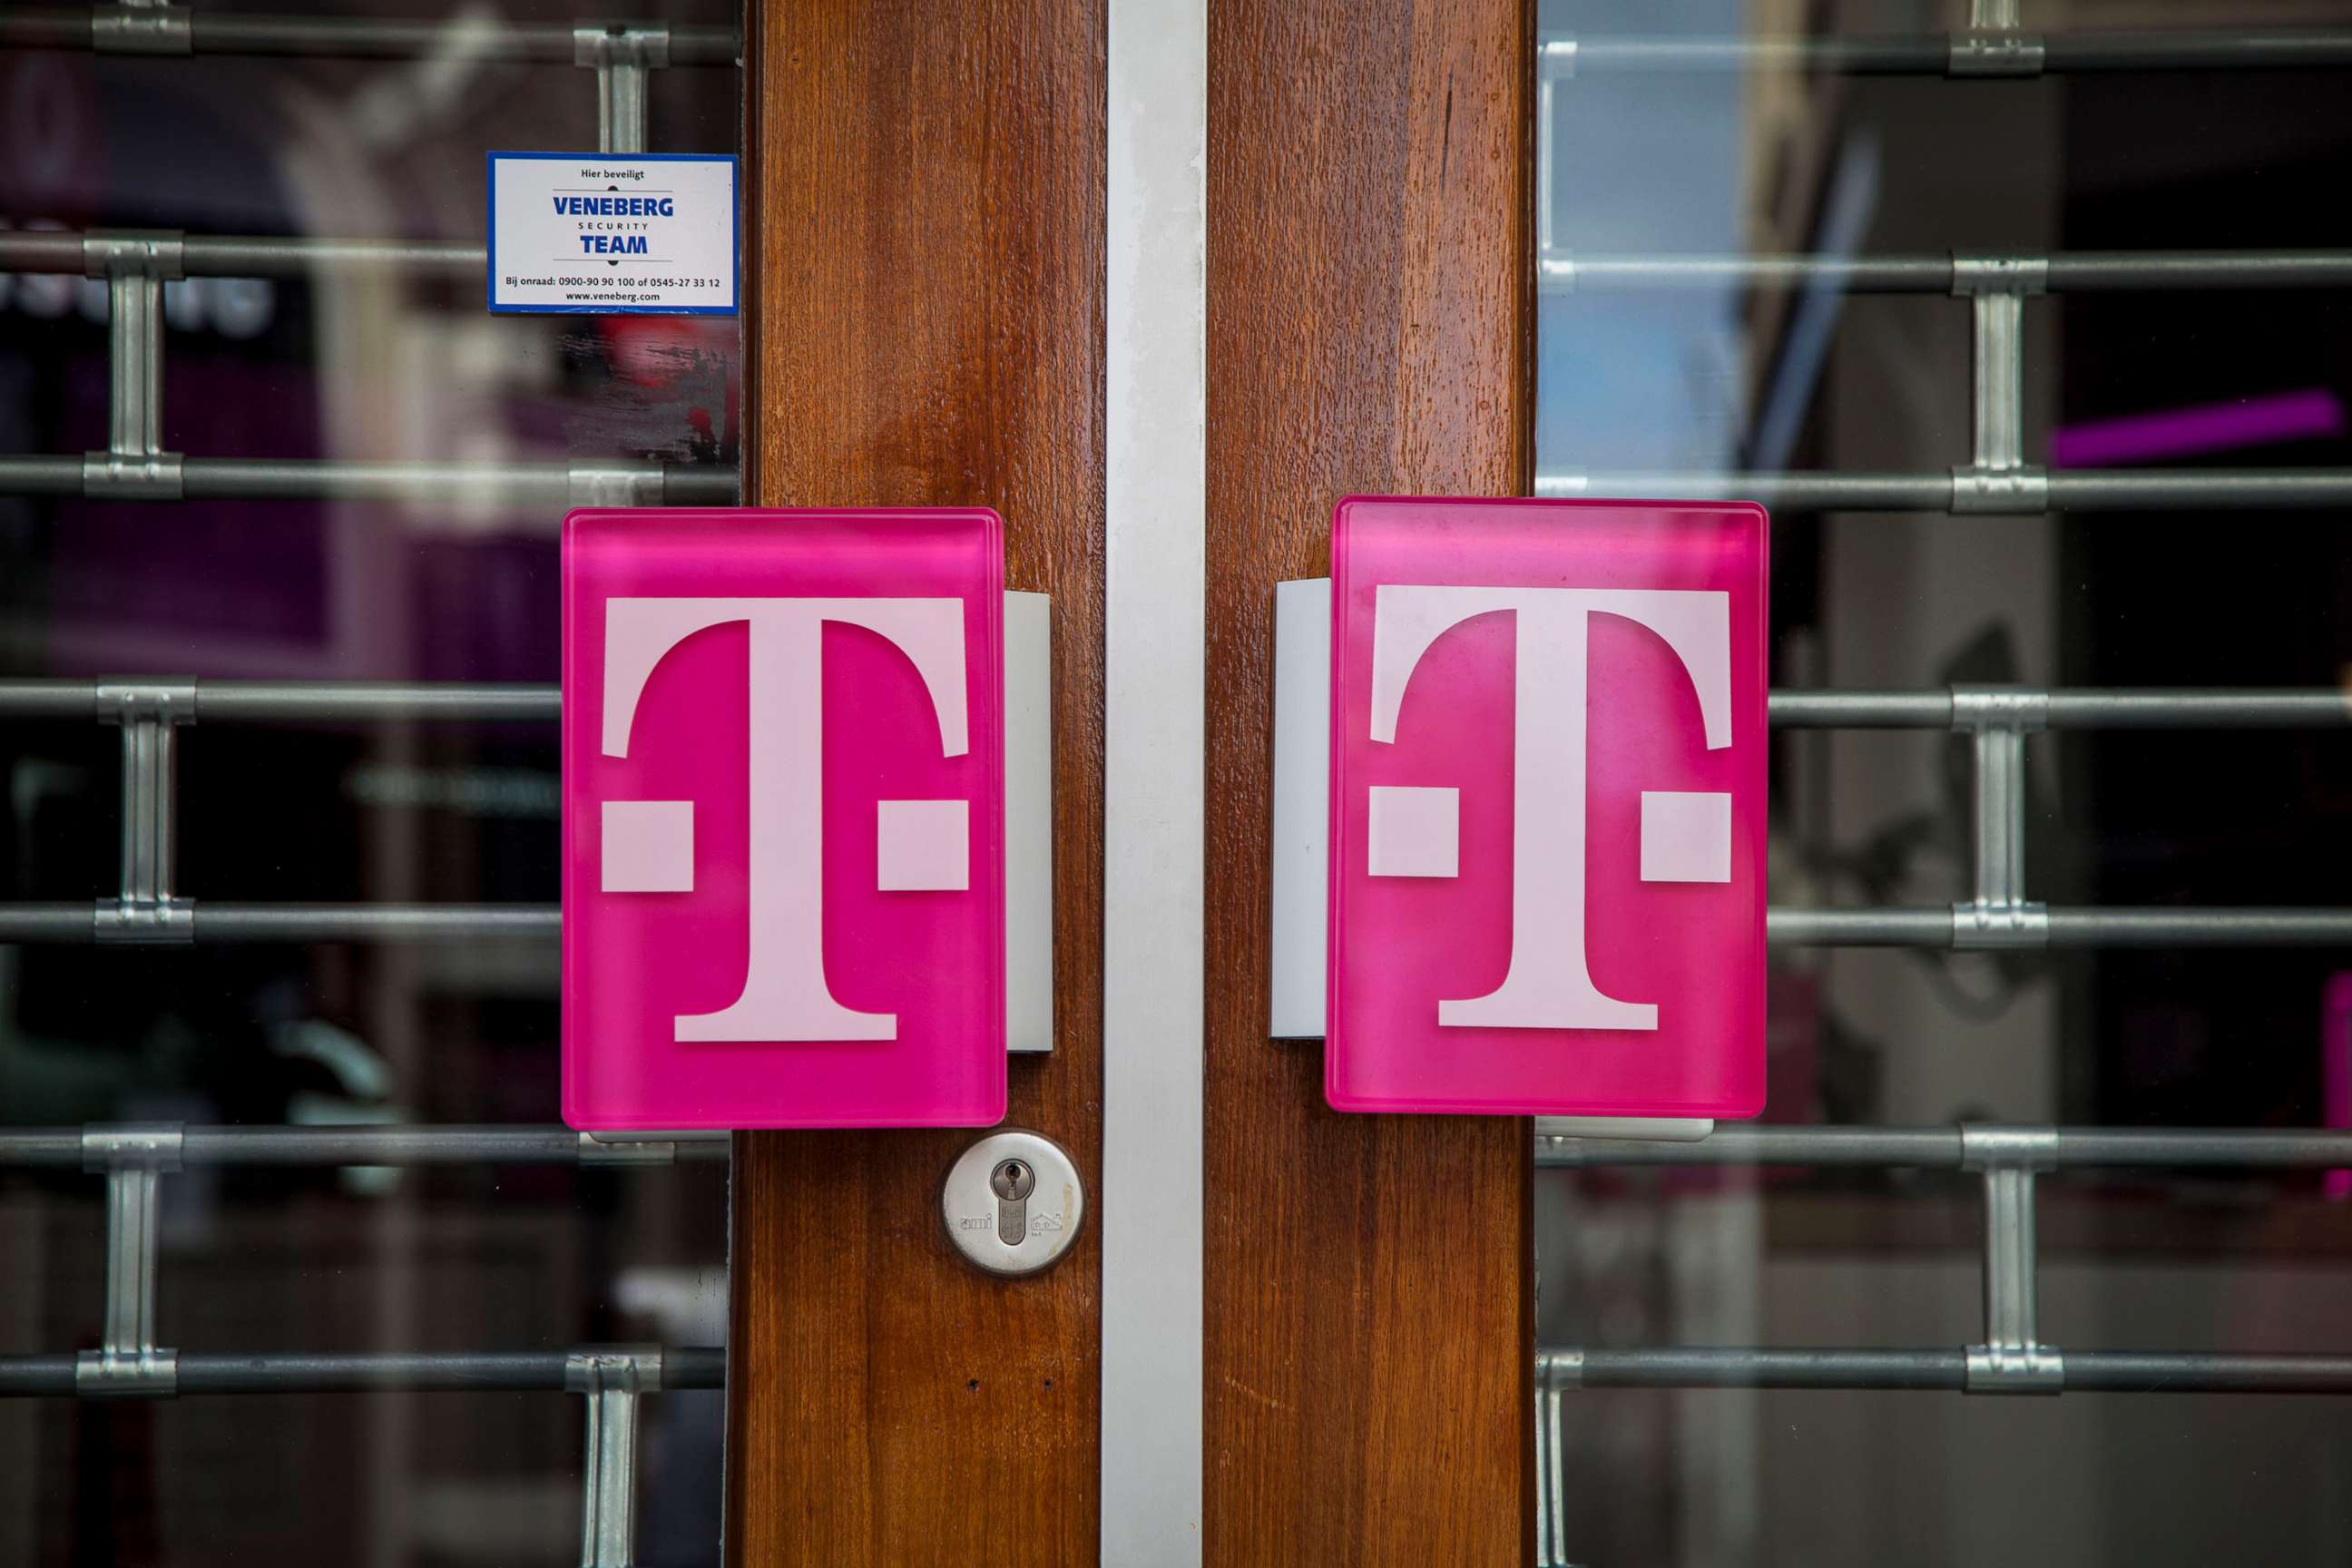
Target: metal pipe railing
535,485
2063,272
2086,1371
213,922
65,1147
2006,53
148,909
68,253
2012,1358
2076,708
1942,1148
472,37
2064,489
380,1372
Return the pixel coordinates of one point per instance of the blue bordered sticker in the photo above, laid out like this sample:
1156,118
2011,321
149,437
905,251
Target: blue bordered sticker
640,233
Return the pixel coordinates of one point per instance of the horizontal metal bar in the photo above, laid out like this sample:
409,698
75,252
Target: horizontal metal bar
2082,707
1929,927
296,701
1933,926
2198,709
315,702
1885,710
257,256
495,1371
2110,1371
1940,1148
2064,272
235,256
1932,54
2068,489
374,923
220,922
1729,1368
305,701
514,483
2120,928
520,484
64,1147
484,37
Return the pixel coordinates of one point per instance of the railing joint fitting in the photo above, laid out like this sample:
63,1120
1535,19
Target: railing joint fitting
1974,275
2000,1146
2032,1368
157,253
2021,491
2023,709
2004,52
619,482
137,28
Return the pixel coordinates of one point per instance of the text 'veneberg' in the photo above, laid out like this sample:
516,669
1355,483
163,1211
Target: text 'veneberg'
615,206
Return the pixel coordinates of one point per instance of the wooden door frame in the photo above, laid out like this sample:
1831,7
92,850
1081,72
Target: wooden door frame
925,255
1371,274
923,207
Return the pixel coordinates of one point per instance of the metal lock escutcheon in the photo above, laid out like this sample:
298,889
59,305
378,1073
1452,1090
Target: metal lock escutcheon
1014,1203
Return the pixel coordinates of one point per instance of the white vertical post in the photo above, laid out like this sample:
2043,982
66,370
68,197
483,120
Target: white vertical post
1155,318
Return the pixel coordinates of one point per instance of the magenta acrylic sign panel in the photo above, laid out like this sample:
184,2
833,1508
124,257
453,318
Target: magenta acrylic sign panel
783,819
1548,807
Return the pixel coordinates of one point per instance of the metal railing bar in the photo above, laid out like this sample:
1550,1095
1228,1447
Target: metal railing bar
2062,272
1934,54
250,256
64,1147
2081,707
488,39
512,1372
550,484
2111,1372
1940,1148
1923,926
374,922
1930,926
2125,928
296,701
521,483
302,479
1933,926
40,476
2062,490
265,255
2113,708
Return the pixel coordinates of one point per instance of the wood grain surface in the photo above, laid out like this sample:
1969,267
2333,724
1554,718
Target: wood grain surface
923,210
1370,266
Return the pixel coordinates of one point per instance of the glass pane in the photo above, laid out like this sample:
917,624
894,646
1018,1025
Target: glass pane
406,459
1749,290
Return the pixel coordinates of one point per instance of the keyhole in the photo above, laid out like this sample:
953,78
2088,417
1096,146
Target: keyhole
1011,1182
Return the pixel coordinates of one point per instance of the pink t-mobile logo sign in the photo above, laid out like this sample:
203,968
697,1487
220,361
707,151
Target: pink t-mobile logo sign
1547,808
783,819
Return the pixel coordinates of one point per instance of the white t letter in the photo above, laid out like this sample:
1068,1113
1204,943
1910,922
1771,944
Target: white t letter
1548,985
